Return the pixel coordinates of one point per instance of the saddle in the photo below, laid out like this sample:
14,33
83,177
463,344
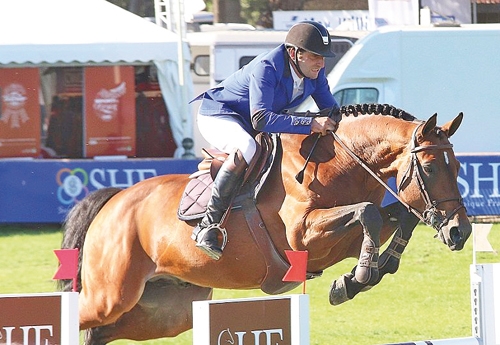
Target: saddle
198,191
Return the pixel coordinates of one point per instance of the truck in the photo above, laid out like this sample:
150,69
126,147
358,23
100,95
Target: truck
219,50
425,70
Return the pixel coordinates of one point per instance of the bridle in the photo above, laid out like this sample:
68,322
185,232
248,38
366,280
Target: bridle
431,215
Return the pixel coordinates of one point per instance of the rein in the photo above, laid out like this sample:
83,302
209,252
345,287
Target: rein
430,216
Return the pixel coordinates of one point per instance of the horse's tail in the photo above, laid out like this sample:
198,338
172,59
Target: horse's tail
77,223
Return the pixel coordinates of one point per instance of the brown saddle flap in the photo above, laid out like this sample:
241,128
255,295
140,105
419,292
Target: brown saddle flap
195,197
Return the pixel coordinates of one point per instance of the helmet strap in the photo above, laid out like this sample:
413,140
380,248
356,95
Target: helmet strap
295,61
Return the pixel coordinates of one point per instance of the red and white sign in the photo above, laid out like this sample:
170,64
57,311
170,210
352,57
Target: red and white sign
110,122
39,319
282,320
20,122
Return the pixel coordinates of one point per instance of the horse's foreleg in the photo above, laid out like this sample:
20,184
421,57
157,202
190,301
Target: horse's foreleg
403,223
397,220
341,224
340,221
366,271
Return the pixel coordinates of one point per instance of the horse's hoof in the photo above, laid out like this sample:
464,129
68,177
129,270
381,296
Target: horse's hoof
338,290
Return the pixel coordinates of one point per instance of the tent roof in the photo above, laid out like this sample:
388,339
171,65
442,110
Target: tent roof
52,32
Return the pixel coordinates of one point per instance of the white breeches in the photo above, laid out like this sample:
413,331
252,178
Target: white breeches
225,133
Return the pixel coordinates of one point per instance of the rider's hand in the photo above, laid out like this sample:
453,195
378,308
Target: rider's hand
323,125
333,112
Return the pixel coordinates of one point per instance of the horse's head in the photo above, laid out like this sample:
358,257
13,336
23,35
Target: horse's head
429,183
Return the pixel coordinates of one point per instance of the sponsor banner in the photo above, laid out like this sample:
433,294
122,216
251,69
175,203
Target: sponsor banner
335,20
39,319
393,12
43,191
458,11
20,122
109,111
265,321
478,182
407,12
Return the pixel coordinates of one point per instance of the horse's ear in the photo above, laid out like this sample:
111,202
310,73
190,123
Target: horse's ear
429,125
451,127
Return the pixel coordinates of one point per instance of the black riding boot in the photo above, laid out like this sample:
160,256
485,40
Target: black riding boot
226,184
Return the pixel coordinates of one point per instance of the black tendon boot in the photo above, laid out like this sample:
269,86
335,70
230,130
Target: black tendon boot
226,184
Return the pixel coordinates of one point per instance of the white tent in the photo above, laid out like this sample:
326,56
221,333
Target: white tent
94,32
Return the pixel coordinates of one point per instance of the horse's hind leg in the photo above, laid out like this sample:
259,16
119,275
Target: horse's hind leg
164,310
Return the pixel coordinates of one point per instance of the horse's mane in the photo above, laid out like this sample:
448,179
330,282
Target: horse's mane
377,109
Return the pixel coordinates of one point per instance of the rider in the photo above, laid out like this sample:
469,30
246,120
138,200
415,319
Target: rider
260,97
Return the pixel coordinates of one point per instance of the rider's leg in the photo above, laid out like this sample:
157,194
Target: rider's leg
225,186
226,134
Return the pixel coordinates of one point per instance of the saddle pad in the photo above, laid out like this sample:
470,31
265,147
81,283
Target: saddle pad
195,197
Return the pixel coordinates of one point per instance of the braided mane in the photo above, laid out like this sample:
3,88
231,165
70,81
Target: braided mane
377,109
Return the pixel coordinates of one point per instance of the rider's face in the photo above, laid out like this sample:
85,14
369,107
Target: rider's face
310,64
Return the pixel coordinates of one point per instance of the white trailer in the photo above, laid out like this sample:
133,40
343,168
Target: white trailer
426,70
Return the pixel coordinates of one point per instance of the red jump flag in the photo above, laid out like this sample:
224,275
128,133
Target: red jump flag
68,268
298,266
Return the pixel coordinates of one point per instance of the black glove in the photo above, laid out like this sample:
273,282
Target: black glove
333,112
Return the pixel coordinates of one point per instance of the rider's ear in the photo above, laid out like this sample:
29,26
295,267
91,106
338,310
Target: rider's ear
429,125
451,127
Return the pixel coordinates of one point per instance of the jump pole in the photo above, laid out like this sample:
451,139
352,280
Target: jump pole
453,341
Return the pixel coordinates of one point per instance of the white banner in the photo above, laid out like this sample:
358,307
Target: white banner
393,12
335,20
458,11
407,12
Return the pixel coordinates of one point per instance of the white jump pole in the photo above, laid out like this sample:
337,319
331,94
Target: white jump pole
453,341
485,280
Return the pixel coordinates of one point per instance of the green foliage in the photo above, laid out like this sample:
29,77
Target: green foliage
428,298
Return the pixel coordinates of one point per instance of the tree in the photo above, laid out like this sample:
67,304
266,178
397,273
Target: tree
227,11
255,12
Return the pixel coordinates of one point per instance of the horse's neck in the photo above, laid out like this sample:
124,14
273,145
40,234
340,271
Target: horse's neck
380,142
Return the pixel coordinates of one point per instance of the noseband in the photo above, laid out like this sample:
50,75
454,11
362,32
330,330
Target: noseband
431,215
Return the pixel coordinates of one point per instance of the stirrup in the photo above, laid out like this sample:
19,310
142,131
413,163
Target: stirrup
213,254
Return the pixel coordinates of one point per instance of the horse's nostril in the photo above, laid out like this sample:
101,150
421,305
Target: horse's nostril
455,235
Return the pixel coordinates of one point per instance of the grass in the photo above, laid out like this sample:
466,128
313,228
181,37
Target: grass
428,298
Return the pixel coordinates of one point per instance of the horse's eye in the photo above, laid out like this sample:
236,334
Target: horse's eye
427,168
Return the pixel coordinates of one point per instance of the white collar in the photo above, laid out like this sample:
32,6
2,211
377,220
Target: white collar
296,79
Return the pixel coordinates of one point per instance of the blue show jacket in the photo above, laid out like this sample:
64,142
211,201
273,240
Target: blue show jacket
260,93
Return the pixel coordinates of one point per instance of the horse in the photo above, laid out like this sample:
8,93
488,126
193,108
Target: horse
139,271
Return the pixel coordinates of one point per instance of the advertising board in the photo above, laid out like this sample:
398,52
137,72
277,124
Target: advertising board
43,191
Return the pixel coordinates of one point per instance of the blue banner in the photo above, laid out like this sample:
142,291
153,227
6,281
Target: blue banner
43,191
478,183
